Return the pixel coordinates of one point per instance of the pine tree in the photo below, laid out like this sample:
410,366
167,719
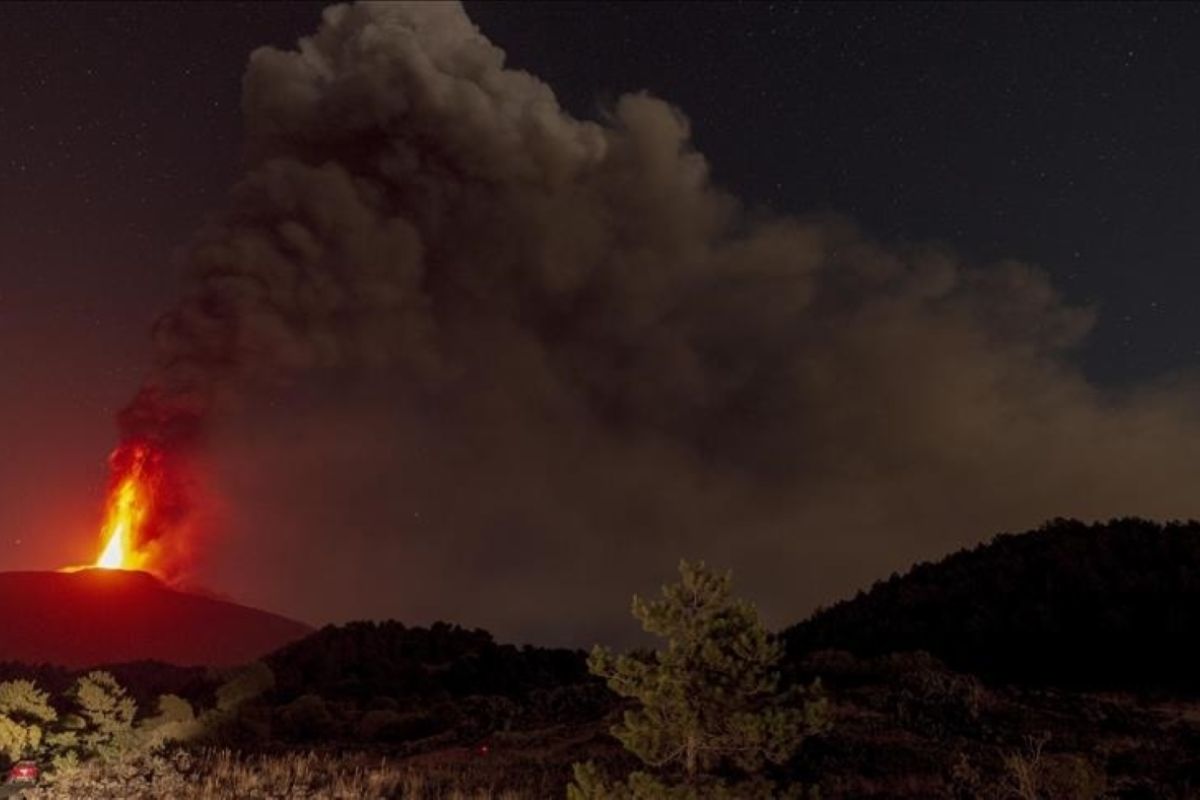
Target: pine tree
25,711
106,713
711,713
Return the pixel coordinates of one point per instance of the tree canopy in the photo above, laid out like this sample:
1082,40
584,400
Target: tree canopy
709,714
1114,605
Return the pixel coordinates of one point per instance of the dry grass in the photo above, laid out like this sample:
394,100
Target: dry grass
224,775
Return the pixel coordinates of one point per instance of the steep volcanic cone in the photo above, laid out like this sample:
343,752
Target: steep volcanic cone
101,616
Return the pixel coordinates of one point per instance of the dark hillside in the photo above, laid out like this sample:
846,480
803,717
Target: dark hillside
98,616
1112,605
385,682
363,660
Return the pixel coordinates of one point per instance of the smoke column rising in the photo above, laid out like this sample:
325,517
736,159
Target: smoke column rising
454,353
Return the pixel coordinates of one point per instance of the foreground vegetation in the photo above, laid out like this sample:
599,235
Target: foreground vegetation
709,717
903,726
211,774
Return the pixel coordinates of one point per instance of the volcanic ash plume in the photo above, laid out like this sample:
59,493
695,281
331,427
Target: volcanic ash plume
584,360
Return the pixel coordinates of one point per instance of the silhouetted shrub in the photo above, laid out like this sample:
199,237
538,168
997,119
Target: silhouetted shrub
933,699
305,719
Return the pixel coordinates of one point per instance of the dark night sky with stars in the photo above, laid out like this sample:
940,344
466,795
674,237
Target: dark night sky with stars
1062,135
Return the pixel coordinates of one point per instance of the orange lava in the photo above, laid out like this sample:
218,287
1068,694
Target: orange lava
129,506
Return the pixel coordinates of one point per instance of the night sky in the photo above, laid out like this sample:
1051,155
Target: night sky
1064,136
1061,136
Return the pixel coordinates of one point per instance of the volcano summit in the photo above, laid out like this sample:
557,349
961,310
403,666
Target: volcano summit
99,616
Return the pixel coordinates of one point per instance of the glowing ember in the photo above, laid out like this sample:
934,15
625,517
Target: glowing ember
129,508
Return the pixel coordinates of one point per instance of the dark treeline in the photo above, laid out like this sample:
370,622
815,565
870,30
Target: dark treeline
387,683
363,660
1088,606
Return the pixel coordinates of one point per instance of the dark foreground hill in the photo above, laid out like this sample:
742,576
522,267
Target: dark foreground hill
1114,605
90,617
443,680
362,660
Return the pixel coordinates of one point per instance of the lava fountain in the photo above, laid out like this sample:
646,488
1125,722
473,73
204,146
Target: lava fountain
138,500
127,507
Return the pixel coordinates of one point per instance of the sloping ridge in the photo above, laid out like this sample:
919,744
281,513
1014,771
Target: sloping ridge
95,616
1113,604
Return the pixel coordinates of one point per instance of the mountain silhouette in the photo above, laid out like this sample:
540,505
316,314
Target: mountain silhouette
97,616
1113,604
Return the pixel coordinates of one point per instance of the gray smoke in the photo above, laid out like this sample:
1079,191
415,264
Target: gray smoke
462,355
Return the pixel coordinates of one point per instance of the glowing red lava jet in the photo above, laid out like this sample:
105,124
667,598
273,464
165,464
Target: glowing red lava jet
136,504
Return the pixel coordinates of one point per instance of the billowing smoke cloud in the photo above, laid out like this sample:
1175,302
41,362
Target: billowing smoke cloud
475,359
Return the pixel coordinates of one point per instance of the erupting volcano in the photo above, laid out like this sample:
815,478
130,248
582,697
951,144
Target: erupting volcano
116,609
119,608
